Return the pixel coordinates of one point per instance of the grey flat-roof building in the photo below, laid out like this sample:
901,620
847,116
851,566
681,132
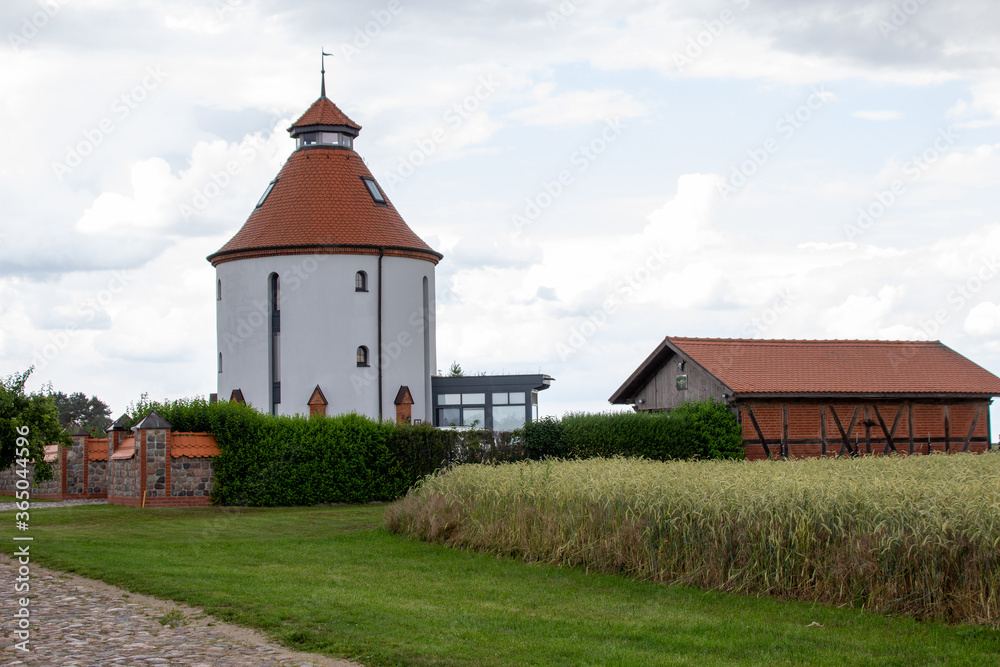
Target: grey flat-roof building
496,402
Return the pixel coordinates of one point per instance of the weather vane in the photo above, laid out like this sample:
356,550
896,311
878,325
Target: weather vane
322,71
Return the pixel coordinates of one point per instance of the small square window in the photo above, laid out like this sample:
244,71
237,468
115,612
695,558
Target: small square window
499,399
374,191
517,398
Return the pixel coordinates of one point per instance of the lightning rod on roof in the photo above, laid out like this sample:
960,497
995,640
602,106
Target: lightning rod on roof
322,72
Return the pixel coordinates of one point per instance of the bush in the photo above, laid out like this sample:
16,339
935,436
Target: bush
703,430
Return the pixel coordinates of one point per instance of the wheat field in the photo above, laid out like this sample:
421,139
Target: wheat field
916,535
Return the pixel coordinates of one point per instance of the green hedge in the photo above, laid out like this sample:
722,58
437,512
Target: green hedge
693,430
270,461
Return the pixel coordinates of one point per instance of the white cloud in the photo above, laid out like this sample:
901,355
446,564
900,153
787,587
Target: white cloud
861,315
877,115
983,319
577,107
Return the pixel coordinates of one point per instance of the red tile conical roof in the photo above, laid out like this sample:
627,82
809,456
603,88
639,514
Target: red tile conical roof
320,203
324,112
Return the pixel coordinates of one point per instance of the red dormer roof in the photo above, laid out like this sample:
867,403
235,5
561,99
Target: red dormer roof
324,112
320,203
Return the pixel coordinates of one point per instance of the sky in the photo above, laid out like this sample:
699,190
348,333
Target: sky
598,174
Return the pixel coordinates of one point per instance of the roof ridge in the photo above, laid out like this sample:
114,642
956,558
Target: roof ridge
813,341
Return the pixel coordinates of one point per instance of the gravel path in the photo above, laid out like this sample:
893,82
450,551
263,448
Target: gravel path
78,622
60,503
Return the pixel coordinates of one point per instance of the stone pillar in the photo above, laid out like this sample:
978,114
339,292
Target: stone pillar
152,449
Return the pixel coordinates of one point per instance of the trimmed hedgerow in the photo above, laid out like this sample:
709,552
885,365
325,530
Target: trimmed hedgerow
693,430
270,461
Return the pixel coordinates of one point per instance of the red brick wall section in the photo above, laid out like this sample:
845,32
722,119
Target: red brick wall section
941,427
403,413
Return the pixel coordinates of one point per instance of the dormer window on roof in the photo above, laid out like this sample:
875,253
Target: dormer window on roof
374,191
270,186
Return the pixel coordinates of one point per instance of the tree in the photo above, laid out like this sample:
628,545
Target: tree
78,409
27,424
455,371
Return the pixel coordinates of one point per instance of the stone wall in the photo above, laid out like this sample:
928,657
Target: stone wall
192,477
97,478
156,475
151,474
84,478
123,478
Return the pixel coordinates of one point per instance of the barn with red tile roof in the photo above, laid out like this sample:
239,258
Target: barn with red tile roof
825,397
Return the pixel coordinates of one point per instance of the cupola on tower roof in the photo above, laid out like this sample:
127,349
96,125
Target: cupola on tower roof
324,200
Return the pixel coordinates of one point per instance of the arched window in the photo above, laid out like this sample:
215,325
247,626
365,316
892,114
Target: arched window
218,290
362,356
361,282
220,362
274,299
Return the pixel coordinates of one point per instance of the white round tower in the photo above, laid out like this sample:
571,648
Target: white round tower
325,297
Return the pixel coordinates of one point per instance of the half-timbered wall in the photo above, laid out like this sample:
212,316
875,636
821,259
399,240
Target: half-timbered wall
809,428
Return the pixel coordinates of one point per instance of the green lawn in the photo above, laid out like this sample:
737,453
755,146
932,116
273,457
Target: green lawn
331,580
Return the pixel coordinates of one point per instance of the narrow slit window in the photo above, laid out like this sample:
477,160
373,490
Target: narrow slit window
373,189
263,197
218,290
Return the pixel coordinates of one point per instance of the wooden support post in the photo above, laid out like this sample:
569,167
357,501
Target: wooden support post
890,433
868,430
909,419
760,433
784,431
972,429
822,430
846,435
947,431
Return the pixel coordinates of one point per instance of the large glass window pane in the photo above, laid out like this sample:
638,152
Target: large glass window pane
517,397
474,417
449,416
473,399
499,399
508,417
450,399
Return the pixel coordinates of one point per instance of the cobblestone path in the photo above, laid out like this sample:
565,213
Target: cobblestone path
78,622
60,503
